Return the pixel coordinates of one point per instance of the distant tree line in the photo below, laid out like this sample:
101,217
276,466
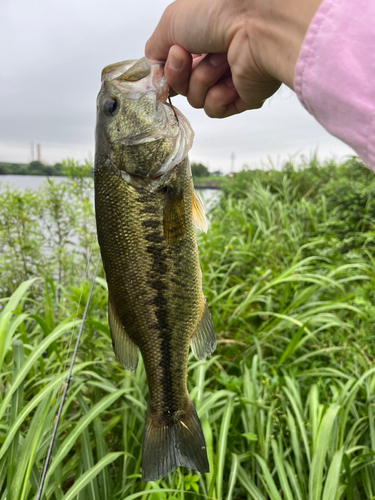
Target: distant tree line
33,168
200,170
64,168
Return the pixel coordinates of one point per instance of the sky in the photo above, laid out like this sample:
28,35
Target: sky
51,56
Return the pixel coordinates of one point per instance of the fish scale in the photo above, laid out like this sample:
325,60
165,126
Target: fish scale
160,270
150,256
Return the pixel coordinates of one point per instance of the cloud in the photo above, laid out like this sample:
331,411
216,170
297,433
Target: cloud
51,59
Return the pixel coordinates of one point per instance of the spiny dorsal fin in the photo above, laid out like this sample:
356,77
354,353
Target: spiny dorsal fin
174,215
125,349
204,338
199,216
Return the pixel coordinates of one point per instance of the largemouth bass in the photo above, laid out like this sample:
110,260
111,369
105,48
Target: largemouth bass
146,209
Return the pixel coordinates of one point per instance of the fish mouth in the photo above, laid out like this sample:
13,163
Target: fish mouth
135,78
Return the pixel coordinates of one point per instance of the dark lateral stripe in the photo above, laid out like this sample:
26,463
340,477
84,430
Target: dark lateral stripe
163,330
154,238
157,284
147,208
149,223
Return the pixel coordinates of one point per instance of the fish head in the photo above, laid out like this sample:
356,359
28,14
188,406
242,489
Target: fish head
137,130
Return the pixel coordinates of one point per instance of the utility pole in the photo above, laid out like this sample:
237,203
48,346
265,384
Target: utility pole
232,157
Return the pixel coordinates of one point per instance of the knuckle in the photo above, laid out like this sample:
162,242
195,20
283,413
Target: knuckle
194,100
213,112
201,78
257,105
169,10
195,104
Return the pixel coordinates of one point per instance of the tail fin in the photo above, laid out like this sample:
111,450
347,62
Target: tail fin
178,442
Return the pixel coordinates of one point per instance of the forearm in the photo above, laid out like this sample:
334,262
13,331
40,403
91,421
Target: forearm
334,75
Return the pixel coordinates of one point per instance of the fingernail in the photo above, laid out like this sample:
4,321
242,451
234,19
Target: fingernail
218,59
174,62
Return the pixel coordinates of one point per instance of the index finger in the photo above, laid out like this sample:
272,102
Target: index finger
190,24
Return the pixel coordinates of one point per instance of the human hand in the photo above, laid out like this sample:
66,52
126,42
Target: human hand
227,57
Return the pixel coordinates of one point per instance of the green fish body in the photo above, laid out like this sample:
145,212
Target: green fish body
146,212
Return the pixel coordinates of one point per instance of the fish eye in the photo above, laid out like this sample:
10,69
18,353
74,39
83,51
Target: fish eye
111,106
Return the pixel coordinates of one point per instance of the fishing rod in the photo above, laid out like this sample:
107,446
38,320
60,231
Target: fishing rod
58,416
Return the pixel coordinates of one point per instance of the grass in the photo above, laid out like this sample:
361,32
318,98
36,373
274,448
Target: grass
286,403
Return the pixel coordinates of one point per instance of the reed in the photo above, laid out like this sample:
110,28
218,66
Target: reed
287,401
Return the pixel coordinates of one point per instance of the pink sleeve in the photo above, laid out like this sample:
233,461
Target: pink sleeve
335,73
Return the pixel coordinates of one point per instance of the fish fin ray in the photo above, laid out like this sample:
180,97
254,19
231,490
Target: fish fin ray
199,216
125,349
174,220
204,339
169,446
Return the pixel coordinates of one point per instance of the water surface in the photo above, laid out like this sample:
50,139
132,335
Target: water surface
26,181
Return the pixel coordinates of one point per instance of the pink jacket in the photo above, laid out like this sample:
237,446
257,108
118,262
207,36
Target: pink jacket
335,73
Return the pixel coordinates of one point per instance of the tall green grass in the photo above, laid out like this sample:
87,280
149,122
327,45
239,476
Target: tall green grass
286,403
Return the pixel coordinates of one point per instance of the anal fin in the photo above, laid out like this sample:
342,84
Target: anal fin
204,339
125,349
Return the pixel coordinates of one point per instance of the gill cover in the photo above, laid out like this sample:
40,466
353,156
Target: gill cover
142,130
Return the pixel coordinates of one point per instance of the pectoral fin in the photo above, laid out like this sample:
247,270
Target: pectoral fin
199,216
174,215
204,339
125,349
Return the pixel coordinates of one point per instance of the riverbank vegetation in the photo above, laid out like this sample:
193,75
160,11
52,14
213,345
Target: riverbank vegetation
287,402
62,169
32,168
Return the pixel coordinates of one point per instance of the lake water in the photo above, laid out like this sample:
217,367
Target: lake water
26,181
209,196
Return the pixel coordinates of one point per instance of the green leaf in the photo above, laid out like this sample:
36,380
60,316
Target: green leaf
88,476
82,424
250,436
32,358
28,451
222,445
232,476
333,476
318,461
268,480
249,485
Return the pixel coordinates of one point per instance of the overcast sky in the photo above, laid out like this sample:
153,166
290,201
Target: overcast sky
51,56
